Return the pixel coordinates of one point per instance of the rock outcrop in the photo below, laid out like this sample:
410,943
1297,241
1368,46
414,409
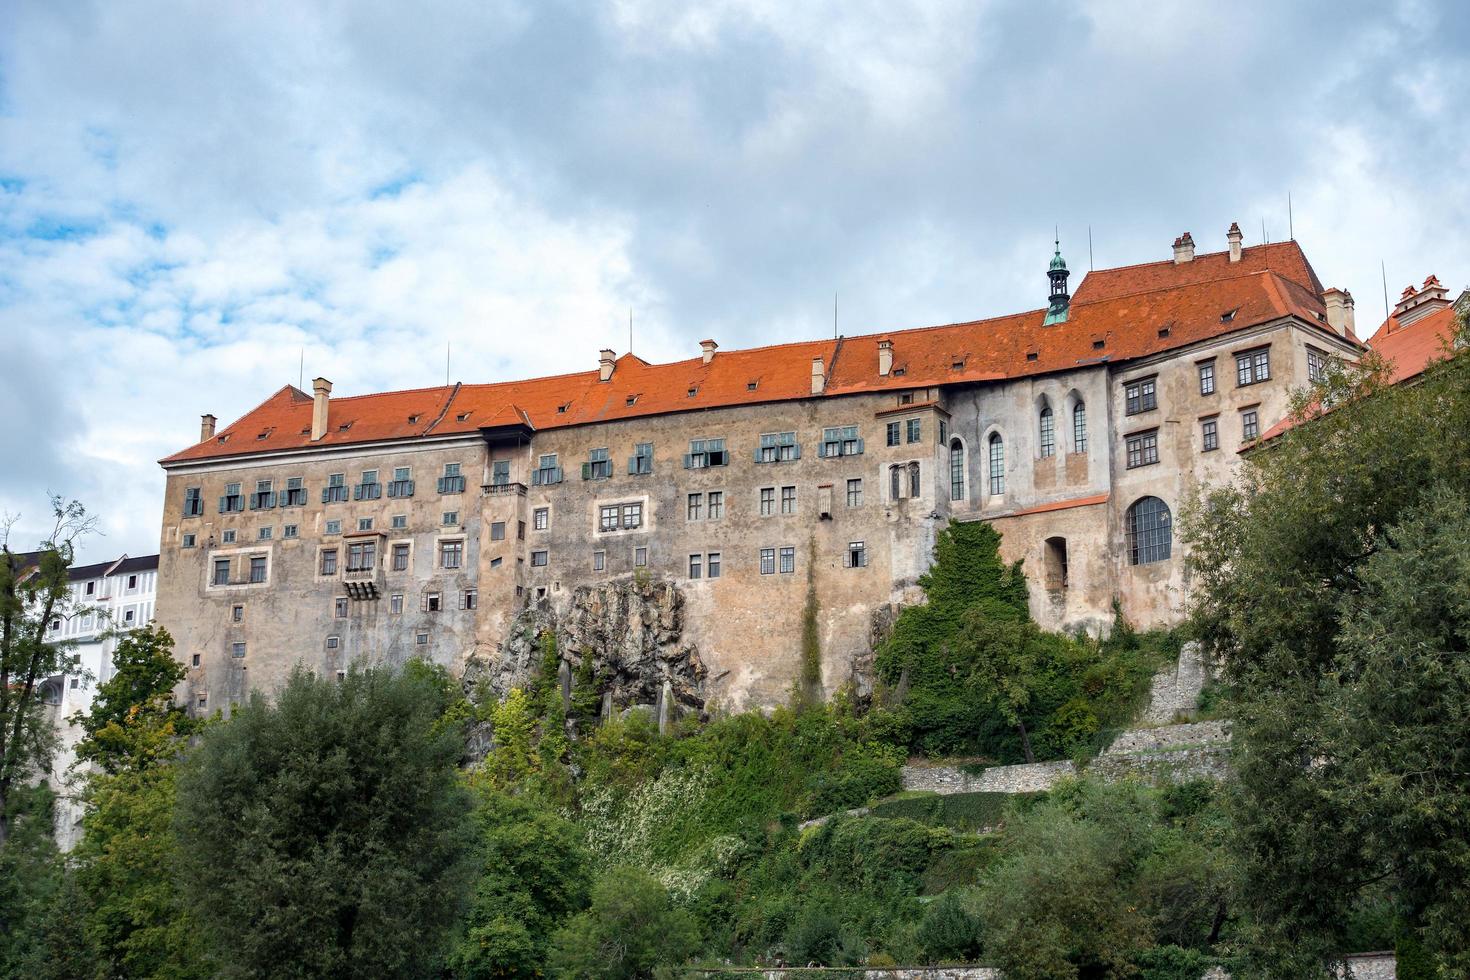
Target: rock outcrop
630,634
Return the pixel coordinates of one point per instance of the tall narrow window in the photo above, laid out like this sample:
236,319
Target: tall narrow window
914,487
499,472
1150,531
1079,428
956,470
1048,433
997,465
895,482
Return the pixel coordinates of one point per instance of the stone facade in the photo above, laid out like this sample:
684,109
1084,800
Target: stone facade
484,523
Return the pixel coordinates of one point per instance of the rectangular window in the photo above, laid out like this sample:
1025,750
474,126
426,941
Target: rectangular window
237,614
264,534
696,566
599,561
1250,426
704,453
232,502
500,473
222,571
641,462
1209,434
768,501
915,429
632,516
541,518
329,561
716,504
768,561
1207,378
369,488
395,604
777,447
1048,434
855,493
857,555
237,649
295,492
694,509
334,527
188,542
335,492
546,472
895,432
1253,366
290,531
640,557
193,502
598,466
398,522
788,561
362,556
451,553
1143,449
914,485
1141,395
400,557
452,481
364,523
333,642
712,564
257,569
421,639
841,441
228,536
1316,365
469,599
607,517
402,485
341,608
539,559
450,518
788,500
497,530
432,602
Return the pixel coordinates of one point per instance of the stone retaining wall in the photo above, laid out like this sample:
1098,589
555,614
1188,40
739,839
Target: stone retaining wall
1360,966
1176,689
945,780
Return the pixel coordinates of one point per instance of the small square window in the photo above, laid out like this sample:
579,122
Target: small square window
497,531
194,660
712,564
334,527
640,557
541,518
364,523
341,608
188,542
237,614
291,531
399,521
432,602
496,562
422,639
451,519
264,534
539,559
237,649
599,561
395,604
333,642
228,537
203,699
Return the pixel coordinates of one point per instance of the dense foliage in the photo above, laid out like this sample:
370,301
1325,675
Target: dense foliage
969,672
1333,585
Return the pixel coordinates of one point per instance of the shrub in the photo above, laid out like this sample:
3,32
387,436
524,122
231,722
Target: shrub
949,932
630,929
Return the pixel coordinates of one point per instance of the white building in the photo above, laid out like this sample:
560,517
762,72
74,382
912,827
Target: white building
108,599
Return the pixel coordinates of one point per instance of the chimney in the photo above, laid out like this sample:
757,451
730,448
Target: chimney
1416,304
885,357
1233,236
206,427
605,362
1183,249
1339,304
707,350
322,389
819,376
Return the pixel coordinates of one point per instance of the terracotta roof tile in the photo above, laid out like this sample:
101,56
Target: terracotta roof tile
1117,315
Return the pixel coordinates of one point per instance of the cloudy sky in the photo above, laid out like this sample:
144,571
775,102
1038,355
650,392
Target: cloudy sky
194,194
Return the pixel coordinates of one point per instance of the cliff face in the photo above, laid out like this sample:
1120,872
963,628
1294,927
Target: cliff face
630,634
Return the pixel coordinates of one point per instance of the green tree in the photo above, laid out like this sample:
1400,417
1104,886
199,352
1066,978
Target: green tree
630,929
34,593
326,833
1304,588
533,874
1006,662
133,722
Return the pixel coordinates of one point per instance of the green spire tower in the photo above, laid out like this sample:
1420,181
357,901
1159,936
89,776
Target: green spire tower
1056,311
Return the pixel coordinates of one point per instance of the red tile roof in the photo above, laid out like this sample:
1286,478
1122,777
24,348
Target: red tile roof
1408,350
1117,315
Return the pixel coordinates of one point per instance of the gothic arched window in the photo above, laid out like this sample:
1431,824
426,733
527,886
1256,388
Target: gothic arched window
997,465
1048,433
956,470
1079,428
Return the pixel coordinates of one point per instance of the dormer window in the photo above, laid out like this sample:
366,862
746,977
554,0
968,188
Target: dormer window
344,426
693,392
957,365
1098,344
1227,316
562,409
900,372
752,385
413,420
462,417
631,400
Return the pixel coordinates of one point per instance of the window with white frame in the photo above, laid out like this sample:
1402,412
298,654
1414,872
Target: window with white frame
694,508
1250,425
768,561
855,492
768,501
788,500
1253,366
1207,377
1141,395
716,504
1143,449
788,560
540,518
451,554
857,555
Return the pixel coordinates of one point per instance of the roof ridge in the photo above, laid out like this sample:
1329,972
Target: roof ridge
443,411
1201,255
1188,285
395,391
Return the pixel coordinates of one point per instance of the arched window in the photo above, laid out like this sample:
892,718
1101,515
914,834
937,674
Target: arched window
1048,433
913,479
956,470
1079,428
895,482
1150,531
997,465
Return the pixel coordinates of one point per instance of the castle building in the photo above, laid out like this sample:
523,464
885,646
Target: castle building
740,493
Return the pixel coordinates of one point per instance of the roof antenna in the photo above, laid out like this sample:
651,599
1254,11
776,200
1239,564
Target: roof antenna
630,330
1290,223
1383,271
834,314
446,364
301,372
1089,248
1264,239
